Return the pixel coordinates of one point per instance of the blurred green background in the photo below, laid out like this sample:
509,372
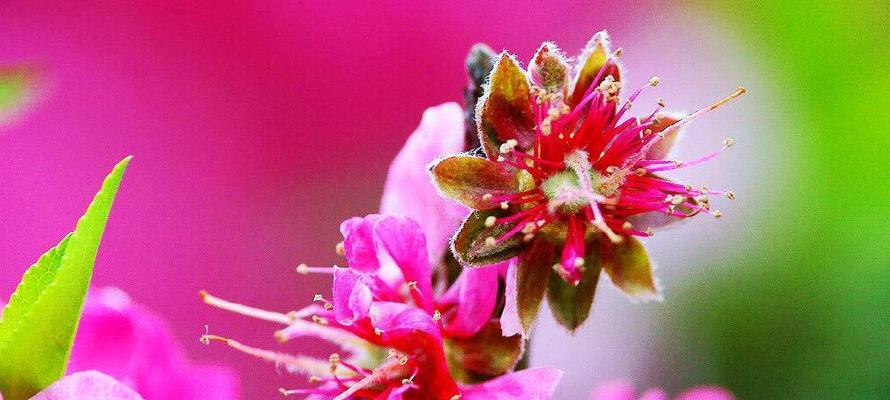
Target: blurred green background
806,314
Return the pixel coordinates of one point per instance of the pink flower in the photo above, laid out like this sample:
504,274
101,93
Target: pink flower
402,340
408,190
568,180
134,346
121,349
623,390
387,257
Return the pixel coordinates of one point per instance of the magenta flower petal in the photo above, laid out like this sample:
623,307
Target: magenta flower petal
358,243
397,320
134,346
624,390
616,390
706,393
390,251
474,296
401,240
352,298
409,191
655,394
91,385
530,384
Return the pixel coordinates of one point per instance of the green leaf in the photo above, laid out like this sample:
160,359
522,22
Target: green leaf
471,244
570,304
38,325
16,87
485,355
533,271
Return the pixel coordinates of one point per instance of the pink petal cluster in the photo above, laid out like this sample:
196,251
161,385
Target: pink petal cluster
384,303
624,390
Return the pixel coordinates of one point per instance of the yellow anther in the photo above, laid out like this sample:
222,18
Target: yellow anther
490,220
303,269
340,248
529,227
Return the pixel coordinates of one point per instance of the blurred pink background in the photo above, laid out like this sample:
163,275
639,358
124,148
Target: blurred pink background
258,126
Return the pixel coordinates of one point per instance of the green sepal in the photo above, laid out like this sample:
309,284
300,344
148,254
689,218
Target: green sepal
505,111
570,304
468,180
480,62
595,55
470,244
483,356
662,148
549,69
533,271
629,268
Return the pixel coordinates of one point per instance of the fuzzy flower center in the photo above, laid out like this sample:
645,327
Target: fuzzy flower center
579,185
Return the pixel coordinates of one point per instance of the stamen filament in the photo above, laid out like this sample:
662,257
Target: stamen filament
294,364
246,310
366,381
